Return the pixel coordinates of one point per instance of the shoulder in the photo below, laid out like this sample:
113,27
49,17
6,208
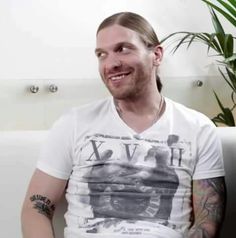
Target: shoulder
76,119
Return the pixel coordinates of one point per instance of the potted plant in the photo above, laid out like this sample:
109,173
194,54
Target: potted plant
223,44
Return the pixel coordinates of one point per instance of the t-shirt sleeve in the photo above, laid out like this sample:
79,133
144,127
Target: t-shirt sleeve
210,162
56,156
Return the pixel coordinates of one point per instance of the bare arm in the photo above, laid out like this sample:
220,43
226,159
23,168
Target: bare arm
42,196
208,207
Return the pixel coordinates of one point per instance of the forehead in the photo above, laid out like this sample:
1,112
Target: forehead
114,34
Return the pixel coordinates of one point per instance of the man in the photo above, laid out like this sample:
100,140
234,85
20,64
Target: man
137,164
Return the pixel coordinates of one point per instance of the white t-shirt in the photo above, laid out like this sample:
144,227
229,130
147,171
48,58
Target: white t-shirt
125,184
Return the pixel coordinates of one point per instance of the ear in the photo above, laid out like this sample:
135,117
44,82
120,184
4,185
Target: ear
158,55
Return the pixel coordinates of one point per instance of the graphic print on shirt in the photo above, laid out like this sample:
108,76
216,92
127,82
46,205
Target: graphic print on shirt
129,179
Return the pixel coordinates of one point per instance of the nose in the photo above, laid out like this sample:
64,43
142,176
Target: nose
113,62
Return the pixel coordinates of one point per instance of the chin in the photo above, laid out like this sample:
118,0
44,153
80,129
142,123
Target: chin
122,96
116,93
118,96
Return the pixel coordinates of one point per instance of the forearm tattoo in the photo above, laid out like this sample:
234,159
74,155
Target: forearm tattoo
43,205
209,205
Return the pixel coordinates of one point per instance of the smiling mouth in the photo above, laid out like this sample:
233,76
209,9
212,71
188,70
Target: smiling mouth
118,77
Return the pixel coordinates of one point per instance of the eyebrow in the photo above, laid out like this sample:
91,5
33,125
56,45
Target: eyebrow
97,50
123,43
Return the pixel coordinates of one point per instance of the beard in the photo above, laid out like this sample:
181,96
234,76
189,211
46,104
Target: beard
131,86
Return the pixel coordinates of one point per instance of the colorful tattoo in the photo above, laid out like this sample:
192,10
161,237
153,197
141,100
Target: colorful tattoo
209,205
43,205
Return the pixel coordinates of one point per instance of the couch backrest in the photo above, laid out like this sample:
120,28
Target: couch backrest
228,138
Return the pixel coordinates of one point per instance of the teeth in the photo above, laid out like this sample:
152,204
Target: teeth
118,77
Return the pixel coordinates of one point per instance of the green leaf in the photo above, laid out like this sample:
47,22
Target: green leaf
229,118
172,35
233,3
216,23
231,63
219,119
231,58
215,43
222,44
229,83
221,39
228,45
225,14
232,77
229,8
219,102
233,100
183,40
211,40
226,117
191,40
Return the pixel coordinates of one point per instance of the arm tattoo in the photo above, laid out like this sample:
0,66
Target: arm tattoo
43,205
209,207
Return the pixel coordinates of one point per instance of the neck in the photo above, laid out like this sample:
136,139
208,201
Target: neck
140,114
141,105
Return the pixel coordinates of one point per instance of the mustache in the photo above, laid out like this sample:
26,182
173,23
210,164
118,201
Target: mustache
118,69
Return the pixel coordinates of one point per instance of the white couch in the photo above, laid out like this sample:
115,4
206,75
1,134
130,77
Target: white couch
18,155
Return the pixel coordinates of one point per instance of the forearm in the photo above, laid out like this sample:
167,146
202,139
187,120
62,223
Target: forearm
36,217
35,225
43,194
203,231
208,208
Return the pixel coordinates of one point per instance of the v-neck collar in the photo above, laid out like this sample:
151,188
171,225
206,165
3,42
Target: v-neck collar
131,130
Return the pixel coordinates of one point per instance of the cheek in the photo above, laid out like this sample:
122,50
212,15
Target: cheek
143,60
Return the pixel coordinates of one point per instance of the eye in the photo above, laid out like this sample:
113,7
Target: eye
123,49
100,55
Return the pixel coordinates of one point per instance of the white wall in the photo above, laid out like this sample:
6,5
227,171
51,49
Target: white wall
56,38
53,40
